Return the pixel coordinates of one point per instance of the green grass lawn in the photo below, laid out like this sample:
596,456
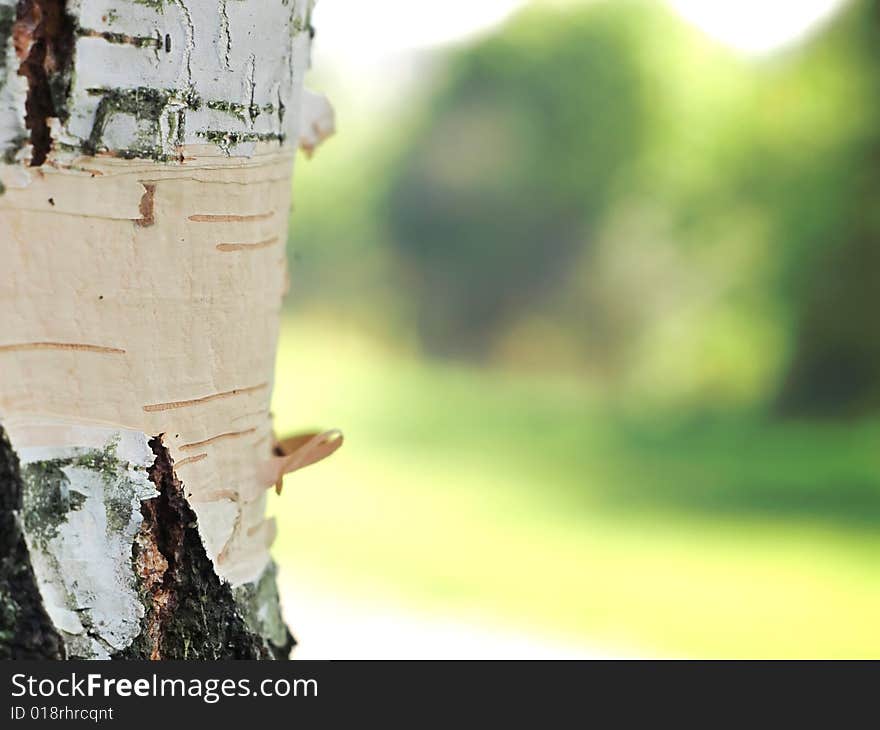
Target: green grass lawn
532,503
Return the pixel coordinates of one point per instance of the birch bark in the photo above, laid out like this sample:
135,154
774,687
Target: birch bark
147,149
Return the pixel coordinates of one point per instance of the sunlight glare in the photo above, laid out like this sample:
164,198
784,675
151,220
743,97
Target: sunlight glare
367,30
757,26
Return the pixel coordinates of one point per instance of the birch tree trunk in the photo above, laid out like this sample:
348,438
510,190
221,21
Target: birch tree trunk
147,149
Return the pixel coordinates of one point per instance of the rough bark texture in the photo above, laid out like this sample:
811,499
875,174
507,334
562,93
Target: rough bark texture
191,614
43,37
25,630
141,78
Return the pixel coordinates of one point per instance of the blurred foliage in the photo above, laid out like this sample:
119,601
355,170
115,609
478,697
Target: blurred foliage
516,172
524,499
649,249
826,220
599,187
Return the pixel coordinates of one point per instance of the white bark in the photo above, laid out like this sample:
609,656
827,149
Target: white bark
144,271
13,88
81,546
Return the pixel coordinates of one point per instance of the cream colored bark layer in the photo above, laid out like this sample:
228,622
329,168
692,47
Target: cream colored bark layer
150,301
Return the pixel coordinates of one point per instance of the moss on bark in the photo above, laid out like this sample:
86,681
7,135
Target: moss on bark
25,629
190,612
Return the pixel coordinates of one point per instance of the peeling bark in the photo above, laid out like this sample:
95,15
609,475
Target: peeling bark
191,613
147,148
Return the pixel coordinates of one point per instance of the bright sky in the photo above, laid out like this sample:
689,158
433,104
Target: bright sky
365,32
757,26
368,30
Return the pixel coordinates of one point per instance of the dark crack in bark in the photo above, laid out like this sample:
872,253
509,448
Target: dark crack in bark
191,613
44,37
26,632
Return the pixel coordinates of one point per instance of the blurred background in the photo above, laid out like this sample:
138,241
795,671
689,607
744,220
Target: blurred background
591,287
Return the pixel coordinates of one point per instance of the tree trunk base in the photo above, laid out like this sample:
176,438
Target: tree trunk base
189,612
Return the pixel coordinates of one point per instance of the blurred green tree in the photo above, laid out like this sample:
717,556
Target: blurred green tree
514,171
684,217
835,368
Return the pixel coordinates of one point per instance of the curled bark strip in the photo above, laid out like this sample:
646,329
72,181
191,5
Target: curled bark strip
298,452
318,121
